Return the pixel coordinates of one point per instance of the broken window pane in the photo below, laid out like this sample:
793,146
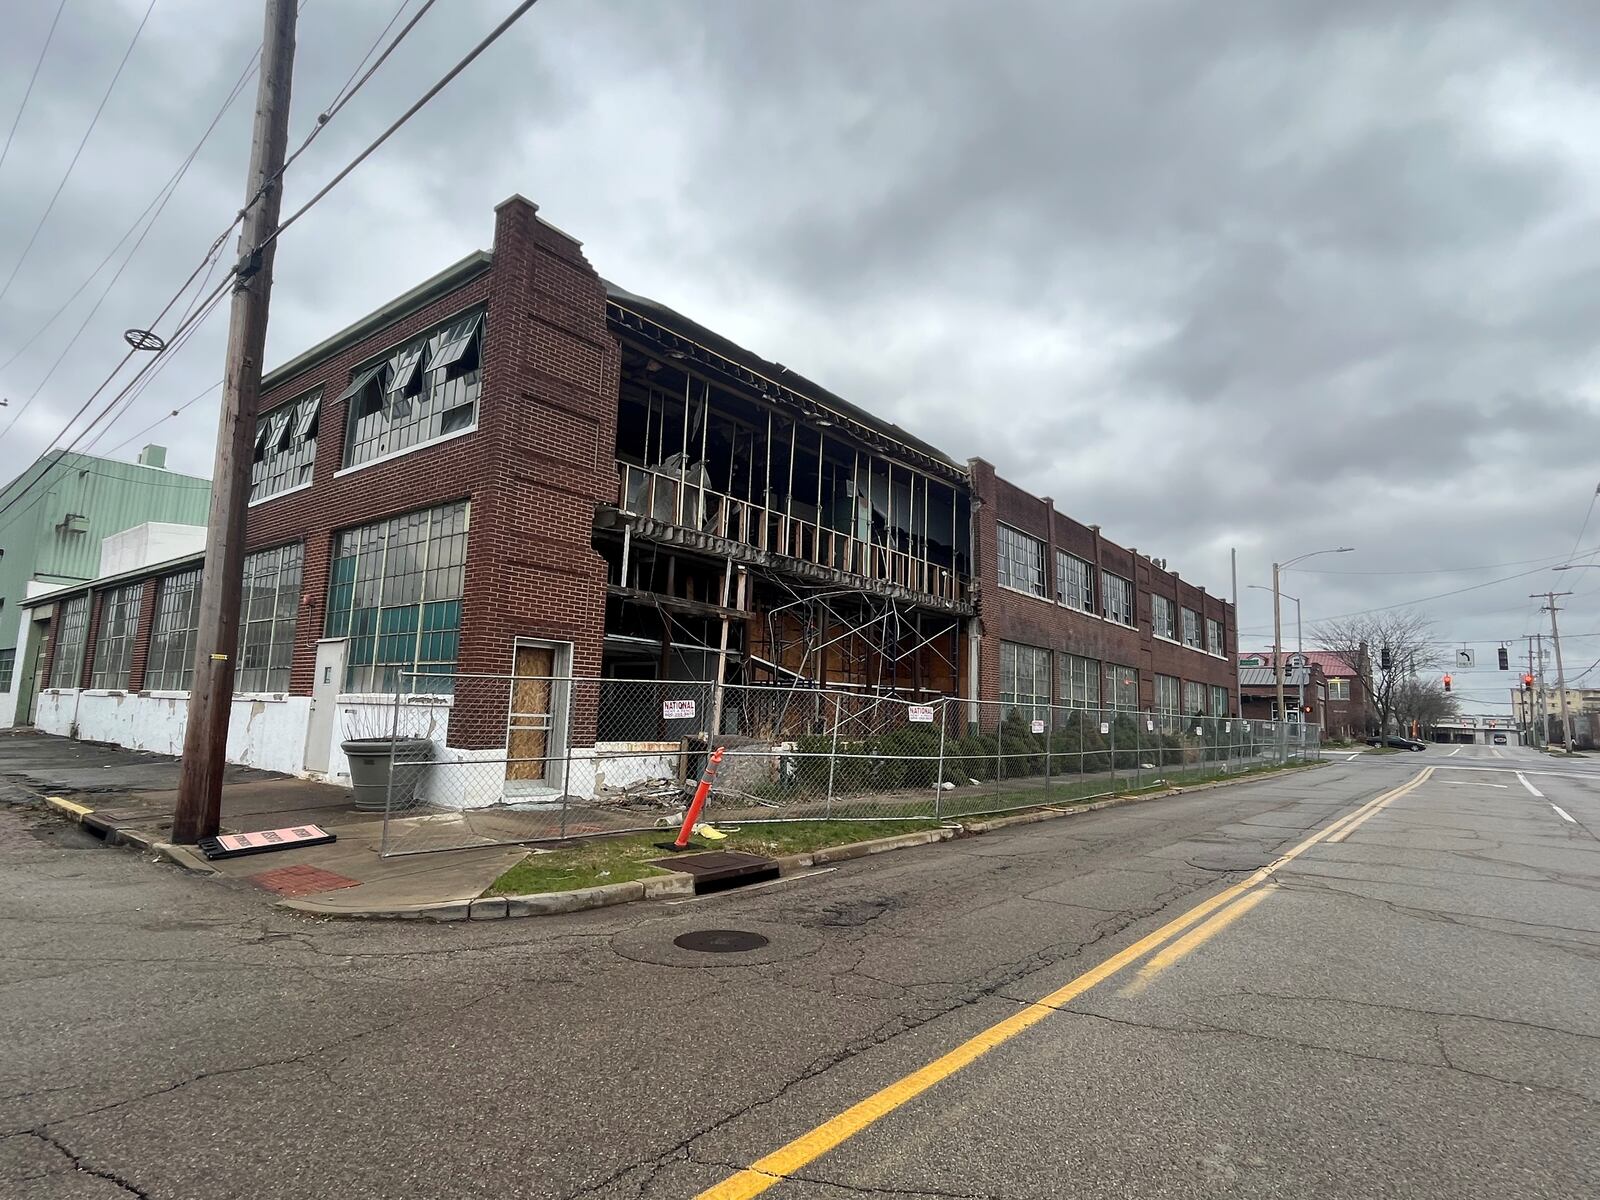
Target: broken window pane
424,390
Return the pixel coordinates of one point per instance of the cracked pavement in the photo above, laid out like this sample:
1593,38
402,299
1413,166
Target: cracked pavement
1410,1012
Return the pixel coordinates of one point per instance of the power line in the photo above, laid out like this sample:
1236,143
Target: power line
1520,562
183,330
28,92
167,417
344,95
93,121
153,211
493,36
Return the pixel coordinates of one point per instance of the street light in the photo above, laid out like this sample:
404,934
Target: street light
1299,639
1277,615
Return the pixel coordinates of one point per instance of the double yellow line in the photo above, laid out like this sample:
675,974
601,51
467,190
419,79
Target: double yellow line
1234,902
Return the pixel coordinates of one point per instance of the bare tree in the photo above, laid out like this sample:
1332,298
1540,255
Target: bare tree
1365,642
1424,700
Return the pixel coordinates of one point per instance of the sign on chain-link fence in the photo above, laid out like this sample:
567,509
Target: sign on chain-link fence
486,760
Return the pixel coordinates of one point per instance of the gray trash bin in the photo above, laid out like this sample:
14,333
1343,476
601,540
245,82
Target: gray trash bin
374,760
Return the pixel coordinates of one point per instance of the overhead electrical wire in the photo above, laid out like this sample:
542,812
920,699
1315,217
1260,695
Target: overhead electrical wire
28,91
344,172
346,92
78,153
152,212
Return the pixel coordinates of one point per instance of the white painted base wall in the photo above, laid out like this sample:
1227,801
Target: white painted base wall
269,732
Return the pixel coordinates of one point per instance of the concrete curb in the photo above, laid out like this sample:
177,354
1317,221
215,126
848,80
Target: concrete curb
104,828
673,884
183,857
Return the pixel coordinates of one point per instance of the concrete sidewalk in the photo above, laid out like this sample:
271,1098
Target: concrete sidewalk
128,796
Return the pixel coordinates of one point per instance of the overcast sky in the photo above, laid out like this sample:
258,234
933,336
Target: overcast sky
1259,274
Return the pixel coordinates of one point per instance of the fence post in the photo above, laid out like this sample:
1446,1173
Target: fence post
388,787
1138,751
999,755
566,747
1049,734
1111,735
938,774
833,758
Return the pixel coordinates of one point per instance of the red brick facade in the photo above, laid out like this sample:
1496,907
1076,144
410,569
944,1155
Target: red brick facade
538,462
1006,615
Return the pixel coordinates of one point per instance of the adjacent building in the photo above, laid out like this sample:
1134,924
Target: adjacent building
53,518
1066,616
520,469
1348,711
1305,691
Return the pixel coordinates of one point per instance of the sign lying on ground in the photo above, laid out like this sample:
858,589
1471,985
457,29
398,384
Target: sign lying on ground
677,710
232,845
922,713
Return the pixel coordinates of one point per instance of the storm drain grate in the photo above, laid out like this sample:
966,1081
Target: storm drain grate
720,870
719,941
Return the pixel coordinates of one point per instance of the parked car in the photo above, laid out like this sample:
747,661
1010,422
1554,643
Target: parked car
1398,743
1499,739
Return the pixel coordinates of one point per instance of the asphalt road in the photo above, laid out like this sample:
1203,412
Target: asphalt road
1409,1010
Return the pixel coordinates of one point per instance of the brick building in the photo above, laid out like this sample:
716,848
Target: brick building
519,468
1304,687
1066,615
1349,712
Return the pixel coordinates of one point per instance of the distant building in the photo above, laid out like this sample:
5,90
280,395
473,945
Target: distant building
1525,704
1349,711
53,518
1303,688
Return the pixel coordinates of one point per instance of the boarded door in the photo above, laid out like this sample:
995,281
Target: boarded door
532,719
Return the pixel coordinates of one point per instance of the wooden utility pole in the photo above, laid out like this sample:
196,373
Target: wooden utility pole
1561,675
211,692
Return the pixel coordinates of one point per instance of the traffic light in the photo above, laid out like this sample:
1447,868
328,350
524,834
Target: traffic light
1447,683
1386,660
1505,659
1306,709
1527,683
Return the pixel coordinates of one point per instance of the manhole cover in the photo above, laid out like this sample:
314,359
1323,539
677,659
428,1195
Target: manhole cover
719,941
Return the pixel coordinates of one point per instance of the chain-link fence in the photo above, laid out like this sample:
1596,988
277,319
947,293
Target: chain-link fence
484,760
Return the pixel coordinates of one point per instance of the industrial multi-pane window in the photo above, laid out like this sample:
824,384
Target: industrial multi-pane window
286,447
1074,582
1194,698
72,626
1166,694
8,662
1021,561
1117,595
1122,686
1161,617
1024,679
395,592
113,639
1219,701
1191,629
1080,681
421,391
172,634
271,601
1214,639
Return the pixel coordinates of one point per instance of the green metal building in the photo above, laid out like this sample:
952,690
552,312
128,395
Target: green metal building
52,518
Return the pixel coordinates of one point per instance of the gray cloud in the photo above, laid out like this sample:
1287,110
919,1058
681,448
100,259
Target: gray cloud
1267,275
